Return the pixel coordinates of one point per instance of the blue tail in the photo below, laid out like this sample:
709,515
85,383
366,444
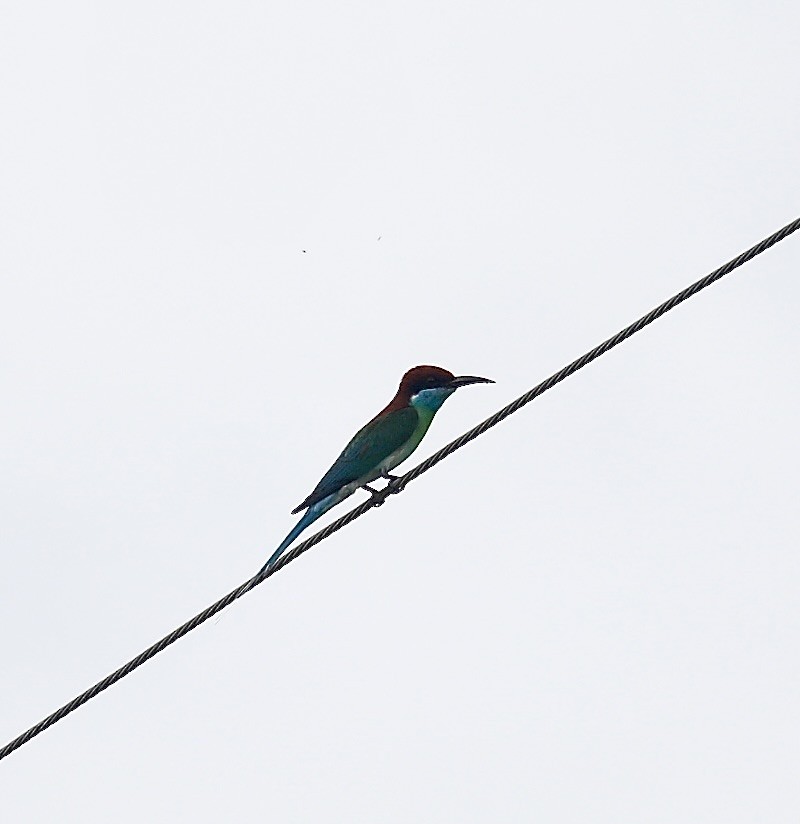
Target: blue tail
311,515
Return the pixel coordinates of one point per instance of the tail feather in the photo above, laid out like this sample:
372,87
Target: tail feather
312,513
299,527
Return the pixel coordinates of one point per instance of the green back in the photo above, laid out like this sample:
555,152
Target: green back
368,448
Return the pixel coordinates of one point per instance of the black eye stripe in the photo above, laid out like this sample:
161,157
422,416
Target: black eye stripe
431,382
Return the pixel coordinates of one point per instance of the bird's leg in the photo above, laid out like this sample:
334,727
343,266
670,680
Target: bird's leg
378,495
392,482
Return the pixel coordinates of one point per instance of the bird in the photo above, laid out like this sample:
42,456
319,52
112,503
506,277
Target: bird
377,448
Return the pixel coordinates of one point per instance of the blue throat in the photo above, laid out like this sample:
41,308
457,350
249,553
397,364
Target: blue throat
430,400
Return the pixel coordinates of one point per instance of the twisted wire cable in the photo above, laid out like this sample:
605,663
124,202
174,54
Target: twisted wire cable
399,484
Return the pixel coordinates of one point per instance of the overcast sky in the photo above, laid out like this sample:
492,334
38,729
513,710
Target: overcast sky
226,230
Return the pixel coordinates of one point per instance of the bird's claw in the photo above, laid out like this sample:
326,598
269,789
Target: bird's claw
393,483
379,496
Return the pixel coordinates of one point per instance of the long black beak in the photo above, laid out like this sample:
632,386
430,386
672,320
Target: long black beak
466,380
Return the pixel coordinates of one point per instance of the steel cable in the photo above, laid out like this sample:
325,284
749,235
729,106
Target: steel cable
399,484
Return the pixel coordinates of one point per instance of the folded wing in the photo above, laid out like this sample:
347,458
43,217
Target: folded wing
368,448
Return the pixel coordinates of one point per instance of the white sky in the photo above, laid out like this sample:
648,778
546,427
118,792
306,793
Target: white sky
589,614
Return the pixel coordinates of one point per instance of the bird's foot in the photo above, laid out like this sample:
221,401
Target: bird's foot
380,495
394,484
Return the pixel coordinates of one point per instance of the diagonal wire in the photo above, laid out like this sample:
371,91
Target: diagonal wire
399,484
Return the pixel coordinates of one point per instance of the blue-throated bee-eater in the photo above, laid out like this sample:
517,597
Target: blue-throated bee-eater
386,441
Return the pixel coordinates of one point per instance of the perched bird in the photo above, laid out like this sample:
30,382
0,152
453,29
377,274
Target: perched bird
386,441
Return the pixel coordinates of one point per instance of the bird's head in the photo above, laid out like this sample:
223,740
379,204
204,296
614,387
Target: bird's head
428,387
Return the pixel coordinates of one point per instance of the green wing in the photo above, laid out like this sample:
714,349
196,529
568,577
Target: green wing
371,445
